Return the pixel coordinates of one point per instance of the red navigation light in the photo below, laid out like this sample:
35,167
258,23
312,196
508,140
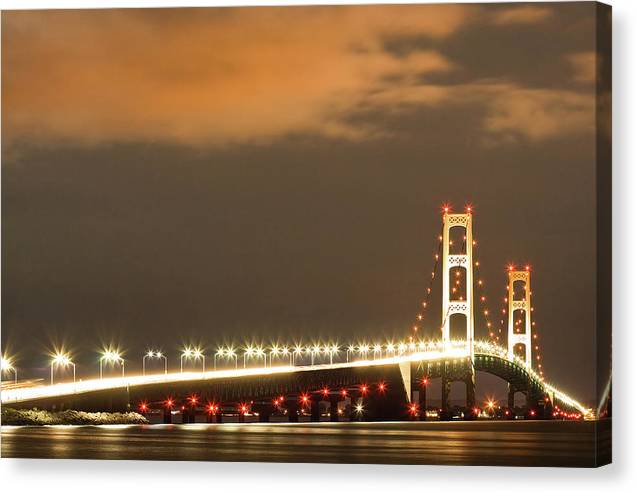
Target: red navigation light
363,389
511,267
413,409
344,392
476,410
527,268
169,403
211,408
425,381
446,208
506,412
304,398
193,399
243,409
325,391
143,406
382,386
532,413
469,208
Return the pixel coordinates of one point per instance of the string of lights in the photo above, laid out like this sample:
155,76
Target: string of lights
420,316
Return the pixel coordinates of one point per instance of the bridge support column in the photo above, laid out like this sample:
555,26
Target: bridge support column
168,416
354,415
470,383
333,408
422,401
315,408
265,411
511,403
184,416
445,414
292,406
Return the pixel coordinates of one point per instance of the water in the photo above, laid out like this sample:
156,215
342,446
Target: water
536,443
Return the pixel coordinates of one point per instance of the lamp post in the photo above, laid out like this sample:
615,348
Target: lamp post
232,354
298,352
60,359
314,351
378,351
274,350
186,353
219,354
154,354
7,366
111,357
363,350
351,349
390,348
287,353
260,352
247,353
333,352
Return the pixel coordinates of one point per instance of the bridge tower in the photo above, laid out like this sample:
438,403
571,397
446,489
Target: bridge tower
452,305
464,261
514,338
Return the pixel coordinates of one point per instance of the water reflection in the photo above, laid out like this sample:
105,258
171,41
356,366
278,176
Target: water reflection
497,443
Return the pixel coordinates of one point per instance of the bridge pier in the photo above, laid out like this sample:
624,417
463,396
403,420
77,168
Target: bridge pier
334,408
470,383
168,416
445,414
354,415
422,400
265,411
292,405
315,408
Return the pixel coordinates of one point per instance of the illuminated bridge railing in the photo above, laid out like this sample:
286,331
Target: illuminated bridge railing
412,352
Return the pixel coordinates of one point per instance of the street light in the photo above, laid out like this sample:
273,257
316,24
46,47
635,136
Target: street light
154,354
363,350
219,354
260,352
247,353
298,352
230,354
286,352
333,352
111,357
190,353
314,351
60,359
185,353
6,365
390,348
351,349
378,350
274,350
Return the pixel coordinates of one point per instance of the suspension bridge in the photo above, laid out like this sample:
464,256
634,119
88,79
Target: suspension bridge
378,381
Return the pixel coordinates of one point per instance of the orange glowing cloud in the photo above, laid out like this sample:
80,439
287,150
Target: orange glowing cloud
214,77
204,76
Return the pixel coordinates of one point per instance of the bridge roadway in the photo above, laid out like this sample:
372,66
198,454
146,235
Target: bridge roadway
399,374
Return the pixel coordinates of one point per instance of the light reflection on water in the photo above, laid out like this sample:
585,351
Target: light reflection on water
498,443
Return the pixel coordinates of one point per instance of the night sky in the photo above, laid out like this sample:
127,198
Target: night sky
275,174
